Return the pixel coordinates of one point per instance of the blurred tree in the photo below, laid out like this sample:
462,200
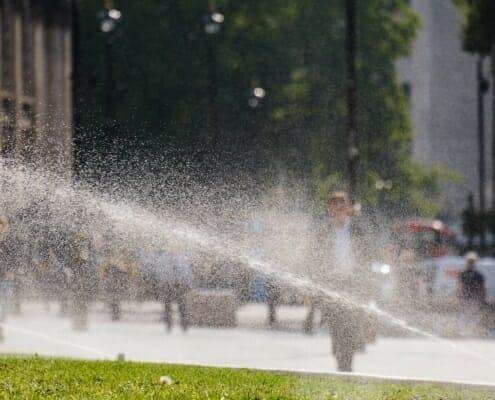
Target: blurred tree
294,50
477,25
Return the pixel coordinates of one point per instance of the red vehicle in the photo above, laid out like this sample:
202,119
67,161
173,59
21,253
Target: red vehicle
429,238
407,276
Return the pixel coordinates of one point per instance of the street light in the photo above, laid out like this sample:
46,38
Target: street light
256,97
483,87
109,18
213,22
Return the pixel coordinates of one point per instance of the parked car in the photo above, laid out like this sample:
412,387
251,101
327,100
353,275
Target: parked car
407,271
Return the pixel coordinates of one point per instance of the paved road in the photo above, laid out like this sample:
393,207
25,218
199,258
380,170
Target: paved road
37,331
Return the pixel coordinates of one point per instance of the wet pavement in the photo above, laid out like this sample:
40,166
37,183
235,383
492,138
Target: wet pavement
140,337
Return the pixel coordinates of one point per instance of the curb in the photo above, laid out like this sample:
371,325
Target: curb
363,378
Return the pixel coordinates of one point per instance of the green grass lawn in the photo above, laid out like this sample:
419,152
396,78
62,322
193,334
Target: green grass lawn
45,378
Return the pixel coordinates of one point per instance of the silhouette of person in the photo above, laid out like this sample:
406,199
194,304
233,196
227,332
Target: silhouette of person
6,276
82,279
172,276
472,291
345,270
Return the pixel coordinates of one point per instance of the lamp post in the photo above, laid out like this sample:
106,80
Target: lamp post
255,101
256,97
492,62
482,89
351,98
212,25
109,18
469,224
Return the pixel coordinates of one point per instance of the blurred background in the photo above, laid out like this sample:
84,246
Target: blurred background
399,99
390,100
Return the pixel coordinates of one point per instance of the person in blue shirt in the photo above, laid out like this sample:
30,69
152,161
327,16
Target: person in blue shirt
173,279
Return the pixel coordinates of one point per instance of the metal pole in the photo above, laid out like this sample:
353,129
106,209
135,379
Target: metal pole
470,211
108,109
351,99
108,81
481,143
212,121
493,122
76,113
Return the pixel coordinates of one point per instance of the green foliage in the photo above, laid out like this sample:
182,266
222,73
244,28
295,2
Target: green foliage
386,31
477,24
294,49
38,378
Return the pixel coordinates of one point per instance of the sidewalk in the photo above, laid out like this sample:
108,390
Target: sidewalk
143,338
254,316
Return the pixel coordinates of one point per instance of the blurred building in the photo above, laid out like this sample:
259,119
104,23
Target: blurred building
35,82
441,81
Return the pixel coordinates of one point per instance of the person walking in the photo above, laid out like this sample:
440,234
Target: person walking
6,275
115,279
81,280
472,283
343,268
173,276
273,292
51,277
265,286
471,291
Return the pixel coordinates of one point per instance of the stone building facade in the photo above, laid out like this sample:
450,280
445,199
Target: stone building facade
36,83
441,80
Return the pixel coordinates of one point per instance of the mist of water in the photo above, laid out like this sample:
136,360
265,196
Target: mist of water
273,235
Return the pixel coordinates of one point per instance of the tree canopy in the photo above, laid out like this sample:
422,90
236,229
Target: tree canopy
292,49
477,24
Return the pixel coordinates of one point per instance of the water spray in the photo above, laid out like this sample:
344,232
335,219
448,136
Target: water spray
64,205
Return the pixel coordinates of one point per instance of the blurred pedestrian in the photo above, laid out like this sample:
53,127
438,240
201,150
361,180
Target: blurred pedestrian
82,279
115,278
243,282
174,280
265,286
21,241
406,277
471,291
52,278
273,293
61,249
345,270
6,276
